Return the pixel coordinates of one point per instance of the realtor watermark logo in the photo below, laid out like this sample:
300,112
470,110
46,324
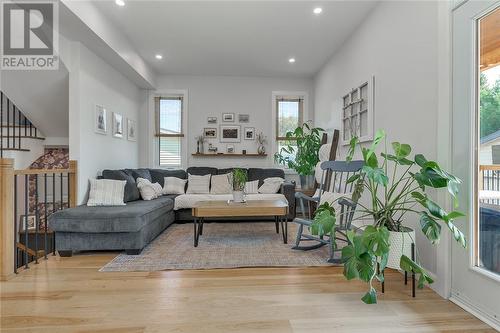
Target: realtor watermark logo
29,35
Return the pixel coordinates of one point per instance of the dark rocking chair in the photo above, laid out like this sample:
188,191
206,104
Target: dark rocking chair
333,179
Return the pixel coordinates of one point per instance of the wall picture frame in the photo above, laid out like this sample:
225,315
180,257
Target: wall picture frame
131,130
249,133
212,120
117,125
230,133
30,219
244,118
210,132
101,120
228,117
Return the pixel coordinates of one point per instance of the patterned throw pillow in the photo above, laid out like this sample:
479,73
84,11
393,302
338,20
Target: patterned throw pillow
220,184
271,185
106,192
198,184
252,187
149,191
174,185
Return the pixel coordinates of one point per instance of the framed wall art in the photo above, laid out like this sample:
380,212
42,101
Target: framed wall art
228,117
101,123
230,133
117,125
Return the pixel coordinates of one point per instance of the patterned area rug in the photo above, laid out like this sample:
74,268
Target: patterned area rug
223,245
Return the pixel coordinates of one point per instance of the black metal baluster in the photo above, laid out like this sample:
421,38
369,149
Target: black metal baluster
37,219
8,123
35,132
31,129
15,225
45,213
26,190
19,128
25,126
62,200
54,207
67,179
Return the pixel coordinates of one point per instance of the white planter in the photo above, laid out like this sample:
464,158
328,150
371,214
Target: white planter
238,196
400,244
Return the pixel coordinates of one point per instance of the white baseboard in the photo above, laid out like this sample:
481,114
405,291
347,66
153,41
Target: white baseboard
475,310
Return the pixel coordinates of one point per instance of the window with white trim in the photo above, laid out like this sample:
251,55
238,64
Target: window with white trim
169,130
289,116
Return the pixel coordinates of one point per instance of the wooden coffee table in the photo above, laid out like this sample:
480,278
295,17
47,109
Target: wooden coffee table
257,208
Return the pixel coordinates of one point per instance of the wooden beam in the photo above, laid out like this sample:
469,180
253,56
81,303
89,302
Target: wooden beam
73,183
6,218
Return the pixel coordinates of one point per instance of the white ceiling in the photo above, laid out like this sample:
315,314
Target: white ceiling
254,38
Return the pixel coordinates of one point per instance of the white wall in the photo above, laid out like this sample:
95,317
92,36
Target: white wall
92,81
398,44
214,95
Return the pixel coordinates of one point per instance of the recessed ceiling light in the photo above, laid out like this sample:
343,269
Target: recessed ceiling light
291,60
317,10
120,3
159,56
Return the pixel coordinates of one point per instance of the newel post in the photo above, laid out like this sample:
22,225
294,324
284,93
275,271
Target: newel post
6,218
73,183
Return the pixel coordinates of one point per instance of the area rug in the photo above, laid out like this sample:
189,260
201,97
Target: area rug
222,245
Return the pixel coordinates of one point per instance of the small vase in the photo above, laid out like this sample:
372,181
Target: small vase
400,244
238,196
261,150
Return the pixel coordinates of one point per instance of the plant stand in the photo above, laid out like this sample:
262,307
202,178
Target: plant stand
406,273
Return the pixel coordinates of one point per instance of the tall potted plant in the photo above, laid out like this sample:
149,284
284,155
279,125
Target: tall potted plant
396,186
239,180
301,152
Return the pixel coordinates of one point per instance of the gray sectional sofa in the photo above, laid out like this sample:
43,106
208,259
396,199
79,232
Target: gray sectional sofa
133,226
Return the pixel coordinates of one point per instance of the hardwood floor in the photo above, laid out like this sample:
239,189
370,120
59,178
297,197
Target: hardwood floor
71,295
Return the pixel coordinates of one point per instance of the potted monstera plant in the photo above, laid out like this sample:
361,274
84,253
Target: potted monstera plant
396,185
301,152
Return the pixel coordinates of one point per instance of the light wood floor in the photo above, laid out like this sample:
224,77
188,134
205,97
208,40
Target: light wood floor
70,295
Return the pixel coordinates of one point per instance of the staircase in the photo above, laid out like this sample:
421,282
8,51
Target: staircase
15,128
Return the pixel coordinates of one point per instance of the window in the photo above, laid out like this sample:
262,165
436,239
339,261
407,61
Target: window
169,126
289,116
357,113
487,226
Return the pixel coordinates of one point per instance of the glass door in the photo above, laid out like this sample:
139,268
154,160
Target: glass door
475,278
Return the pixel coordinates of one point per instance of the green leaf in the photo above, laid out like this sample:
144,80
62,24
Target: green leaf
409,265
376,174
430,228
376,239
324,222
353,178
457,234
454,215
401,150
352,148
420,160
370,297
366,266
350,262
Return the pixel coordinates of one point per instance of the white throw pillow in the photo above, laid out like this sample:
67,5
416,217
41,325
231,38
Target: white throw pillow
174,185
158,189
252,187
271,185
198,184
106,192
147,189
220,184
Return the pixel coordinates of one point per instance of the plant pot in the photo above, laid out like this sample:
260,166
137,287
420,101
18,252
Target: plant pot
238,196
306,182
400,244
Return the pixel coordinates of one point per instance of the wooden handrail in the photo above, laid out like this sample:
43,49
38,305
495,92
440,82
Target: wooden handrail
43,171
489,167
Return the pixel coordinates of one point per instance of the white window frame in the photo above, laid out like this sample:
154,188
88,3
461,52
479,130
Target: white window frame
154,156
305,118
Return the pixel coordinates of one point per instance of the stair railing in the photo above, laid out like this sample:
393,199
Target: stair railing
14,126
27,199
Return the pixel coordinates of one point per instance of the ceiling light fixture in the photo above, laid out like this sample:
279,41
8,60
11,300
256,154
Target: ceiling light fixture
317,10
120,3
159,56
291,60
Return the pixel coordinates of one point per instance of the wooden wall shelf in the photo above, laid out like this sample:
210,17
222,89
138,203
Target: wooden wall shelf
228,155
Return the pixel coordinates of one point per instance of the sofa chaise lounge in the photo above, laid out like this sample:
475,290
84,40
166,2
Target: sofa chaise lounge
133,226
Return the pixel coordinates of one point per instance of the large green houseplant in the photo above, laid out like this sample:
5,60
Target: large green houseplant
396,186
301,152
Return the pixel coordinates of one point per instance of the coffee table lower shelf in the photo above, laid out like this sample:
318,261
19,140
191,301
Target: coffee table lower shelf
258,208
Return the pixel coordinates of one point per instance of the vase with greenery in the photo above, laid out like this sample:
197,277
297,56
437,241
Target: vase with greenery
239,179
396,186
301,152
